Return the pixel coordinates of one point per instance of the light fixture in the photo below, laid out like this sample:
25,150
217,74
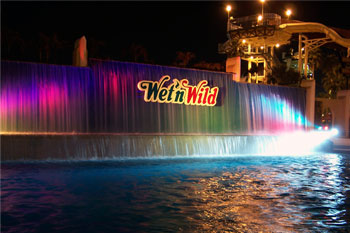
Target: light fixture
288,13
262,7
228,9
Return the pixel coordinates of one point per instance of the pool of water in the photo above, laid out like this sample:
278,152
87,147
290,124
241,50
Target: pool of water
207,194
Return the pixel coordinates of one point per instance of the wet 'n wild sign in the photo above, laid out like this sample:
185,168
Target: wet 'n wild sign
178,92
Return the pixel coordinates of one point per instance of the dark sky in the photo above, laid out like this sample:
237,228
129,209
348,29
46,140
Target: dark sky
163,27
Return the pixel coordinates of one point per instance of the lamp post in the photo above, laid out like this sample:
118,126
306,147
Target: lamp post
262,7
260,19
228,9
288,13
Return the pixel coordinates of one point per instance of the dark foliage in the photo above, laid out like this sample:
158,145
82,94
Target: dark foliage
282,76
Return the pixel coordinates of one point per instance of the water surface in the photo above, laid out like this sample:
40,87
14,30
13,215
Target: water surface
207,194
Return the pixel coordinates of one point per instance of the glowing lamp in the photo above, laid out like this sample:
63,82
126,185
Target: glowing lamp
262,7
325,128
243,41
260,17
335,132
228,8
288,13
277,45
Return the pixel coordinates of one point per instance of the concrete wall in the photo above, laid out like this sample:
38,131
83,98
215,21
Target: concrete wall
233,65
309,85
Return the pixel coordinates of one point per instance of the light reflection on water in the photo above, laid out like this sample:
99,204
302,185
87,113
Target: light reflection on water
234,194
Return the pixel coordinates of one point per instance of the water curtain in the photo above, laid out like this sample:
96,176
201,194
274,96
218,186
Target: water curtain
105,98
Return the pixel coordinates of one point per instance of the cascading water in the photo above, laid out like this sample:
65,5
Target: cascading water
102,108
241,108
42,98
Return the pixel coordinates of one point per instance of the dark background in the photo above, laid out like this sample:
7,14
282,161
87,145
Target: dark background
162,28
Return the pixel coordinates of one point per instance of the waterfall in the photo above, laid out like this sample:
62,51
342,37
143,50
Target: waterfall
44,98
91,146
104,98
65,112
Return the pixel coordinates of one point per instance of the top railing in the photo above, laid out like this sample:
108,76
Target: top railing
269,19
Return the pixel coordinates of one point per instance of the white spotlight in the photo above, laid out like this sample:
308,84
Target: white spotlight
334,132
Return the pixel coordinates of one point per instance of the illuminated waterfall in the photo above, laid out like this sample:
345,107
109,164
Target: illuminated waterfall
65,112
44,98
40,98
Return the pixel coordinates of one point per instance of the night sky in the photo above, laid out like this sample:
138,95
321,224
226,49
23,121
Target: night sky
162,27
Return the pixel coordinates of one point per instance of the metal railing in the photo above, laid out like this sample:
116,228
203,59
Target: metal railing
269,19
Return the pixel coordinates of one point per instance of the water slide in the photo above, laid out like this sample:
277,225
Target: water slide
316,28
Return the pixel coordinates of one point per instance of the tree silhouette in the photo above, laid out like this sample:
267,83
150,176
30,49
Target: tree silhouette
44,47
12,45
94,47
183,59
316,58
333,80
57,45
209,66
280,75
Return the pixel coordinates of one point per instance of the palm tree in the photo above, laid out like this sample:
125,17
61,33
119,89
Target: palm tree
183,59
316,58
57,46
281,75
209,66
94,47
138,53
12,44
44,50
333,80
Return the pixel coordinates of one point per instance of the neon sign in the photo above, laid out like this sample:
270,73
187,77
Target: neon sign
178,92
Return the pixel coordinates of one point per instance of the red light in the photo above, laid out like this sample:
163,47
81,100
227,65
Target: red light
326,128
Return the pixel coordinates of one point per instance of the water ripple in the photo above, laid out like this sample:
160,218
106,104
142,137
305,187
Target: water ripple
244,194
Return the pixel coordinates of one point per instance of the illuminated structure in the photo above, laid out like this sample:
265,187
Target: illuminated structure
122,97
115,108
260,35
257,36
127,109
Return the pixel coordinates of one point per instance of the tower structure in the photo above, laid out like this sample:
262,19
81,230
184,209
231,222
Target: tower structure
254,39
